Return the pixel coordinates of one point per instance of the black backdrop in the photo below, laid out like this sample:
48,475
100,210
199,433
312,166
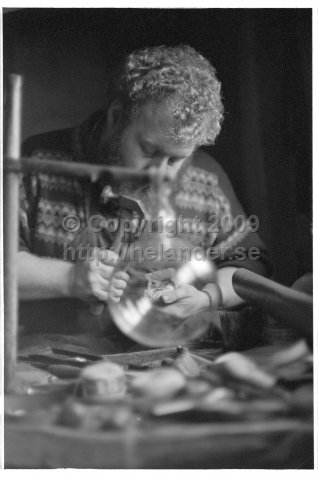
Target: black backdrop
263,58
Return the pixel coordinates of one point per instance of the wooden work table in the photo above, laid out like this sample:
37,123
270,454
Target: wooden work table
268,441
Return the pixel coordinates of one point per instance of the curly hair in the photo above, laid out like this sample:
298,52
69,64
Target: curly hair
182,78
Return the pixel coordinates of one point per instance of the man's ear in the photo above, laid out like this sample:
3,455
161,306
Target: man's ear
114,116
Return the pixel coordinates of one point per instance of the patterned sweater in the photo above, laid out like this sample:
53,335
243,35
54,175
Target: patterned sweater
48,203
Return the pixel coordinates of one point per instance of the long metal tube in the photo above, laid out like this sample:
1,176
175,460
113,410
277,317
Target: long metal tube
76,169
293,308
11,229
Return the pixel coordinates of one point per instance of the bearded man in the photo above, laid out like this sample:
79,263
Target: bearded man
163,104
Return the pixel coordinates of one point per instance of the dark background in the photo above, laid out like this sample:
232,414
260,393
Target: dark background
263,58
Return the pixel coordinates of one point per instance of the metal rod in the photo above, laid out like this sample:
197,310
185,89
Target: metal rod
77,169
11,230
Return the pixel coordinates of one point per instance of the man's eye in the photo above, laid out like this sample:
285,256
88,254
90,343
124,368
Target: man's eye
148,153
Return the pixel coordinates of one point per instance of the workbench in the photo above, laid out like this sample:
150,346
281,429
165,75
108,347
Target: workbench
265,441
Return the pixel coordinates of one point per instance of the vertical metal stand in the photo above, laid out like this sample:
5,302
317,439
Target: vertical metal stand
11,230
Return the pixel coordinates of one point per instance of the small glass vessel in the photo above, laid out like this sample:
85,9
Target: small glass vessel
158,260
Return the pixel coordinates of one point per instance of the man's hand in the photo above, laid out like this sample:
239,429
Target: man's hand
95,278
185,301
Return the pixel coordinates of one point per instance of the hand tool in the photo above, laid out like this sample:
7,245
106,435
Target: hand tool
50,359
64,371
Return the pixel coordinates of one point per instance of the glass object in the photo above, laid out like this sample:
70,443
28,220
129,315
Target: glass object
158,260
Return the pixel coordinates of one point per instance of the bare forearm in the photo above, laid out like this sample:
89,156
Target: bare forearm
41,277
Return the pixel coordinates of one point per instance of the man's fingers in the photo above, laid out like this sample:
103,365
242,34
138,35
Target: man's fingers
117,283
172,296
101,294
113,299
99,284
117,293
105,294
121,275
161,275
105,271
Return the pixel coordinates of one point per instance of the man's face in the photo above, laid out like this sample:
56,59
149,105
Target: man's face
146,141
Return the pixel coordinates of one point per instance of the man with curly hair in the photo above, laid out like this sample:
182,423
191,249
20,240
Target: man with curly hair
163,104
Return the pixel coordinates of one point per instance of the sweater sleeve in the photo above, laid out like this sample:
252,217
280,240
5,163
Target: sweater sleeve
29,188
236,239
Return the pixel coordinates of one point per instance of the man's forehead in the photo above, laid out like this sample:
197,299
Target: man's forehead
155,114
155,120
